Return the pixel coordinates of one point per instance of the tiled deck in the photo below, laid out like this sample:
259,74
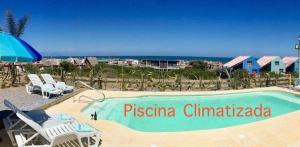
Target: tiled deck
23,100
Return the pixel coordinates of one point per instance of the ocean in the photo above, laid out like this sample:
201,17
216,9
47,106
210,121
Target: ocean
187,58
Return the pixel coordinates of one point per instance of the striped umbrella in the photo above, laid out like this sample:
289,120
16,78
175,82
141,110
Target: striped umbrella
13,49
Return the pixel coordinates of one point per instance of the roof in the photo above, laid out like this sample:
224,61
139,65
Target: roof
92,60
51,62
75,61
263,61
289,60
236,61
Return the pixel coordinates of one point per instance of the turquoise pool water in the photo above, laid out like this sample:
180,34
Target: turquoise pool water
185,118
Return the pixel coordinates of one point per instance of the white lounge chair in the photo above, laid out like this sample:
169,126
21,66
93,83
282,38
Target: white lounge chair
68,133
12,122
297,82
52,134
37,85
297,88
60,85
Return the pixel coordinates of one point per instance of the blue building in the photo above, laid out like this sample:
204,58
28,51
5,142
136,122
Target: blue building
247,63
291,64
271,64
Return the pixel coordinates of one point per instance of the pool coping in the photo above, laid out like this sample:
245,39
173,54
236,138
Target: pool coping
199,93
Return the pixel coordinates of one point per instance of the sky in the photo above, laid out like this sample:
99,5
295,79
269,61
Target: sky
159,27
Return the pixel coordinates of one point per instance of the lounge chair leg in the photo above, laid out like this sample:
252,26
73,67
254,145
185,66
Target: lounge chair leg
80,142
45,95
28,90
11,137
97,141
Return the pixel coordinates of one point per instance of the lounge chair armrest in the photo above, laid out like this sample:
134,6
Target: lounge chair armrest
61,83
59,139
49,88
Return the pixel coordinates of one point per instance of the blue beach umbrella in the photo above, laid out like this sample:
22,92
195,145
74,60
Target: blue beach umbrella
13,49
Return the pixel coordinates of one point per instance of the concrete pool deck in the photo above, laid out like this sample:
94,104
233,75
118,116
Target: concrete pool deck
278,131
22,99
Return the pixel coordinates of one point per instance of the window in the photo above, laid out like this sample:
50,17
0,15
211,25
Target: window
276,63
249,63
281,70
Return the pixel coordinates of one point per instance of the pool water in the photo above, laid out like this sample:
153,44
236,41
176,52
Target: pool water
113,109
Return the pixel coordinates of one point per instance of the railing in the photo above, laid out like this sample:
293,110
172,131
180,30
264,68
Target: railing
90,98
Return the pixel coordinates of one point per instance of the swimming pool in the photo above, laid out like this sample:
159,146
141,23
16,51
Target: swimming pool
187,113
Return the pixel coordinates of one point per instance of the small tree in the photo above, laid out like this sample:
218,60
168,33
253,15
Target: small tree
66,67
32,69
199,65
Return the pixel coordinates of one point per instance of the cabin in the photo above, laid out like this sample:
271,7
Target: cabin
271,64
51,62
247,63
161,64
291,64
90,61
132,62
76,61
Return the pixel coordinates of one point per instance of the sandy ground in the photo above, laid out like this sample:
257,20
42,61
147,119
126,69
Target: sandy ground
278,131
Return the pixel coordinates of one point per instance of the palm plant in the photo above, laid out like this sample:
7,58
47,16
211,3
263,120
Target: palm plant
91,76
200,75
142,73
177,81
15,27
127,76
240,78
162,85
146,79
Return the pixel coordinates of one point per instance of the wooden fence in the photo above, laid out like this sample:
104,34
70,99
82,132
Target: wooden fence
184,85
